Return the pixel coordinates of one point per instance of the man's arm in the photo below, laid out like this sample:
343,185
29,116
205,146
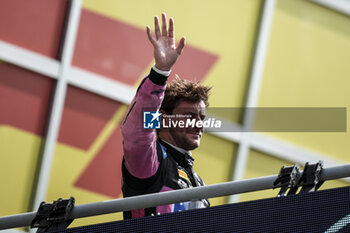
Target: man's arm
140,144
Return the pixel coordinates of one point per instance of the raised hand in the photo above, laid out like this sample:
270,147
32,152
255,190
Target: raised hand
165,50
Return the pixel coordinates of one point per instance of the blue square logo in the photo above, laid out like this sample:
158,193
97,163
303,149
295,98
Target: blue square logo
151,120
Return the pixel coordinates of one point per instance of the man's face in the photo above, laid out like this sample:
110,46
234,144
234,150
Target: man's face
187,138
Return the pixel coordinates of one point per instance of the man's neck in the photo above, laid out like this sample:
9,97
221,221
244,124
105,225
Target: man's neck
177,148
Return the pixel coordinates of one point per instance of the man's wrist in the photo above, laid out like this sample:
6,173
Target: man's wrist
162,72
157,78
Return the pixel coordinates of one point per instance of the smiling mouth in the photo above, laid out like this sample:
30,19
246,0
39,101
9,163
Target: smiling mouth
195,133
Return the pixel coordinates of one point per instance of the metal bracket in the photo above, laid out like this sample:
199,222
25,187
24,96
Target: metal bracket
310,179
53,216
287,178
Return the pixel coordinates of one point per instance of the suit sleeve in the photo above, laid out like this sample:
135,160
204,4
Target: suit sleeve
139,145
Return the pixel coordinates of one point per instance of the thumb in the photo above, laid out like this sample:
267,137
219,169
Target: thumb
149,34
181,45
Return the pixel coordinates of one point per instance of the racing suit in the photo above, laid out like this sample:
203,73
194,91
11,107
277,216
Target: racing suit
151,165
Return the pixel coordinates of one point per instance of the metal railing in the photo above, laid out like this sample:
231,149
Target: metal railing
157,199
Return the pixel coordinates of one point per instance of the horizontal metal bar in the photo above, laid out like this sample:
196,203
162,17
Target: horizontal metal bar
18,220
175,196
336,172
156,199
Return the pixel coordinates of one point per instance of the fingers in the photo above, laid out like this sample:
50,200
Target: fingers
171,28
164,25
156,27
181,45
165,31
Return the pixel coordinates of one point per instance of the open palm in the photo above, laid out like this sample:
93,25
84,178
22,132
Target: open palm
165,50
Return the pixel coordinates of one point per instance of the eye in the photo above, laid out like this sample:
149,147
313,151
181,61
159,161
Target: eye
193,115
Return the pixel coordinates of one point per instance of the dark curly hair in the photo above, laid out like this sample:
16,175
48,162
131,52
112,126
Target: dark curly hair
180,89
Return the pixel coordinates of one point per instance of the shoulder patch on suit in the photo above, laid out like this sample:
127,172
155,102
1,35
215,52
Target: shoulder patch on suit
183,175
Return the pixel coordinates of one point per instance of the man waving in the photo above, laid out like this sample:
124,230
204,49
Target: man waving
158,161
